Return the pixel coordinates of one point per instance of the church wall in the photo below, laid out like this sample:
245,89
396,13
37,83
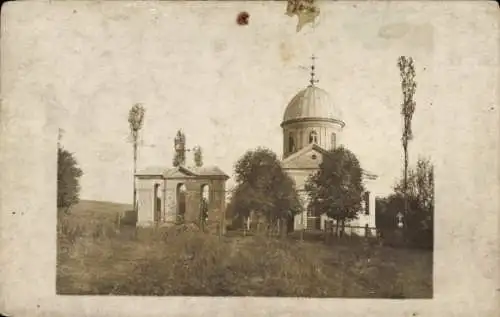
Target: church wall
300,220
193,199
370,218
145,199
364,219
302,129
170,201
299,177
217,204
216,199
193,196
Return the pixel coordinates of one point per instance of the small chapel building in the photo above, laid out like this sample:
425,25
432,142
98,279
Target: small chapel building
181,195
311,126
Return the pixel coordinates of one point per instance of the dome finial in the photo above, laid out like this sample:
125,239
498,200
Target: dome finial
313,73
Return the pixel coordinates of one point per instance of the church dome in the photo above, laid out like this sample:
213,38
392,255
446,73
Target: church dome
312,103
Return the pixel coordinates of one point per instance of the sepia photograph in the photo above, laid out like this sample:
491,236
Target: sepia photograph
295,168
267,158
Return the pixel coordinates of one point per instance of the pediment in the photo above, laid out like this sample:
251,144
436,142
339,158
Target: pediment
179,172
309,157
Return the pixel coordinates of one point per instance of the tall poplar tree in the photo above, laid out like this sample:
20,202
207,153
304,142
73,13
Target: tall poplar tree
136,122
408,87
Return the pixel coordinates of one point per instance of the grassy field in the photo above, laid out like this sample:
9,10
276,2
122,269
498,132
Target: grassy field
94,257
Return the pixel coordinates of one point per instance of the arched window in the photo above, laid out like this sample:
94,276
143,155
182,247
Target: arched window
181,202
313,137
204,203
367,203
157,203
291,143
205,192
334,141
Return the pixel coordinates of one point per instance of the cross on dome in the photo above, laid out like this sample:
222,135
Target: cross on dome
313,73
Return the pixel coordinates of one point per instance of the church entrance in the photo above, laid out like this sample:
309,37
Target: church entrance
181,203
157,204
313,220
204,203
313,223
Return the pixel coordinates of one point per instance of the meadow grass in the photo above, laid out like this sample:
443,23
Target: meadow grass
96,258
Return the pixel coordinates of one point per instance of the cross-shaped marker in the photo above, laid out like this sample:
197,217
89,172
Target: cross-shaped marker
313,67
399,216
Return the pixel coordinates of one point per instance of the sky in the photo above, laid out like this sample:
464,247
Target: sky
227,86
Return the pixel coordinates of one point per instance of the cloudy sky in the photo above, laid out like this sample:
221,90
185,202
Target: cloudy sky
226,85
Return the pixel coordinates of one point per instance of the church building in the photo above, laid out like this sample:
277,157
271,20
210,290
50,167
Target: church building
181,194
312,125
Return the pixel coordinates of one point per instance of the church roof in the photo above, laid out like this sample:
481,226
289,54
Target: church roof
208,171
151,171
312,103
182,171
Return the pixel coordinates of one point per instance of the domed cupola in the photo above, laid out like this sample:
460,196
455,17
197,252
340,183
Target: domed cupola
311,117
312,104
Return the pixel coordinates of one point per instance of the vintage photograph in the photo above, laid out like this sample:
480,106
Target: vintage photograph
288,156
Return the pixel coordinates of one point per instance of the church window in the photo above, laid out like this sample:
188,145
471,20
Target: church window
313,137
367,203
291,143
334,140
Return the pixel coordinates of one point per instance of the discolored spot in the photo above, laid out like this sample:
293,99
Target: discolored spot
219,45
243,18
286,52
391,31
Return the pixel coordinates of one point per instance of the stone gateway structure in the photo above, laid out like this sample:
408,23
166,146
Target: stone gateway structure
169,196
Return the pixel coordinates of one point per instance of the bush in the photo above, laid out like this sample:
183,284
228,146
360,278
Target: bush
68,179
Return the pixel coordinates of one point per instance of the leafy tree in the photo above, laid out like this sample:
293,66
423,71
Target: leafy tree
136,121
180,149
408,87
419,220
337,188
387,212
198,156
263,187
68,179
